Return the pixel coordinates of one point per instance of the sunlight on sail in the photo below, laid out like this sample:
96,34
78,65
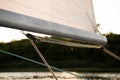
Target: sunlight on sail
63,18
74,13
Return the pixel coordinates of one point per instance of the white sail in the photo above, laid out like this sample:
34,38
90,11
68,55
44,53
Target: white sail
66,18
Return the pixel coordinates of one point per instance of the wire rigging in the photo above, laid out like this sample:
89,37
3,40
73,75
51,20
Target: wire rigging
67,43
63,42
104,49
39,63
31,39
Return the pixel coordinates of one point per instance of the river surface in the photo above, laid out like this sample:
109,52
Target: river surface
60,76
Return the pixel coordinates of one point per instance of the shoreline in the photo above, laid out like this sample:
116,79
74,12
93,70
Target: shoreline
108,70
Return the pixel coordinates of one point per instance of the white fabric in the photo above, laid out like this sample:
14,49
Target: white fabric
74,13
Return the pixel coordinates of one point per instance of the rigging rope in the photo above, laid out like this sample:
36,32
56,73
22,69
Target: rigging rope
39,63
67,43
110,53
62,42
31,38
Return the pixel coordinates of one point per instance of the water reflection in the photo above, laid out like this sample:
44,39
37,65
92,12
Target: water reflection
60,76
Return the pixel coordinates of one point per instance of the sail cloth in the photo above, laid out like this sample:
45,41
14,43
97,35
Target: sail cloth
65,18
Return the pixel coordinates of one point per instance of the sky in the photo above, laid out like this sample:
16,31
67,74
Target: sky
107,14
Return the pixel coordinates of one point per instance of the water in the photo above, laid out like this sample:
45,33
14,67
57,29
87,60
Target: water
60,75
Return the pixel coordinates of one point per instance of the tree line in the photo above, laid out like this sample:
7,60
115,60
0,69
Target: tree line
60,56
